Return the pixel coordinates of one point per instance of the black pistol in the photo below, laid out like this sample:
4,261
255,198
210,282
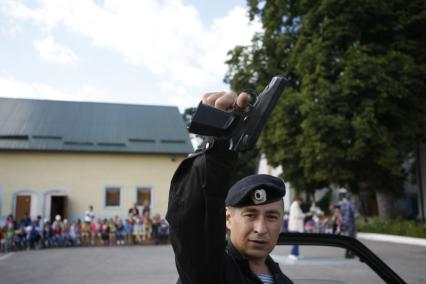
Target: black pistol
242,129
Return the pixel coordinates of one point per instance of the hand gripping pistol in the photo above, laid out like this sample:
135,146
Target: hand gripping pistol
241,128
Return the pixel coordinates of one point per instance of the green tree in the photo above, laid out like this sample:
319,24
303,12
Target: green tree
187,115
247,164
354,107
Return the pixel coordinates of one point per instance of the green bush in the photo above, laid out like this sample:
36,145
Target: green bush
392,227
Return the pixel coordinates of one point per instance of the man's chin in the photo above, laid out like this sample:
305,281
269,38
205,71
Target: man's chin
257,252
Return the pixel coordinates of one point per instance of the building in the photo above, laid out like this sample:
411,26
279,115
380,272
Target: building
60,157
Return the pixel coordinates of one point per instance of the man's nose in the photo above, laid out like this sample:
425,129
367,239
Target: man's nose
260,226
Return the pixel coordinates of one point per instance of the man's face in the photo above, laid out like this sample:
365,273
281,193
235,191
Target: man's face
255,229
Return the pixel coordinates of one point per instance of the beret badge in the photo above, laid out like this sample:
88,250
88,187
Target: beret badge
258,196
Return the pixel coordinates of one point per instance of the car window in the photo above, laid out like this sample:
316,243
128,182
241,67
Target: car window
324,265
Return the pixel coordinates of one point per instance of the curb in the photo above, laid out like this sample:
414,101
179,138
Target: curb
392,239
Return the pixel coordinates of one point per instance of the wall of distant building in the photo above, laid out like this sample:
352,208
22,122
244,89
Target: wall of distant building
98,179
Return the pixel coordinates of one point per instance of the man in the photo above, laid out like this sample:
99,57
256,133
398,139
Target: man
198,217
296,224
349,214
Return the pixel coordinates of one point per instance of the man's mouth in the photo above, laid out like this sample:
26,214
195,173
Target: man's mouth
259,242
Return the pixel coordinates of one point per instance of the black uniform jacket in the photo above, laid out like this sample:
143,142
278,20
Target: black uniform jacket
196,214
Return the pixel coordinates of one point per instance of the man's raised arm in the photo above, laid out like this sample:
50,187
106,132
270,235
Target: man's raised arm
196,210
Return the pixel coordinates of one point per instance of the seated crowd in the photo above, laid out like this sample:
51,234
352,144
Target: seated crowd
31,234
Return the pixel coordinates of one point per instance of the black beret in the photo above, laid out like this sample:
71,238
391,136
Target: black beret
255,190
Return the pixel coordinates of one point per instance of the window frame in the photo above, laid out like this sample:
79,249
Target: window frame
104,199
153,195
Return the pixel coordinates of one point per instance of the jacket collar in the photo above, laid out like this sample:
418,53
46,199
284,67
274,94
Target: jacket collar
235,254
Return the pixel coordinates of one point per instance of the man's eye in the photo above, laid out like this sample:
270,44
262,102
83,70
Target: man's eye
249,215
273,217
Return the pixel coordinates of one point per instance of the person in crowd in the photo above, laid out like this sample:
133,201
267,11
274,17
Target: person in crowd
284,227
163,232
323,223
129,231
134,211
121,232
85,231
47,234
137,231
147,225
75,232
57,228
39,225
296,223
309,225
349,214
10,233
155,224
34,237
66,234
89,214
3,231
112,231
21,236
316,217
95,232
337,221
26,220
105,232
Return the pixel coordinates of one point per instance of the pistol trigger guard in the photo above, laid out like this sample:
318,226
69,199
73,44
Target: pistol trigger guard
253,95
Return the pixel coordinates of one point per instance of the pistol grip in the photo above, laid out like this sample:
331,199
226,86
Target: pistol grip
210,121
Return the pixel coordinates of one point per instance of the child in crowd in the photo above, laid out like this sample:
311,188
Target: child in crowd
105,232
75,232
337,221
155,224
60,233
121,232
3,239
112,232
34,237
129,231
85,231
47,234
66,236
147,225
57,228
94,231
137,231
163,232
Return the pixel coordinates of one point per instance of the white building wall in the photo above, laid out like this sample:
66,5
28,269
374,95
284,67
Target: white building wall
264,168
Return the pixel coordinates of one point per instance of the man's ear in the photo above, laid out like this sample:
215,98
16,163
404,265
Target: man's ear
228,218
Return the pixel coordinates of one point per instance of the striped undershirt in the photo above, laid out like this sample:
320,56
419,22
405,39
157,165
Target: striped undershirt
266,279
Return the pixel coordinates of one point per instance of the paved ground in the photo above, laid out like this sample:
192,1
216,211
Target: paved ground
155,264
407,261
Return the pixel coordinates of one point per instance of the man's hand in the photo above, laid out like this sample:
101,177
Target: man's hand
227,101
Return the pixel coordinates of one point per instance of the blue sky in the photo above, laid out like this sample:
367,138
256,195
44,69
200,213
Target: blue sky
166,52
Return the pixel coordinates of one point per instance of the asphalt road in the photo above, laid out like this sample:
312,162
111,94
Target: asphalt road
155,264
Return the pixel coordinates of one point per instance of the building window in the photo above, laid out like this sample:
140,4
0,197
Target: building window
112,196
143,196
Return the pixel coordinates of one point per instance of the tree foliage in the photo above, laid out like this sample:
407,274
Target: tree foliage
354,106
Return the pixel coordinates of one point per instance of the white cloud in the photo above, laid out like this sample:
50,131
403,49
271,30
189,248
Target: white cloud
166,37
12,88
53,52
